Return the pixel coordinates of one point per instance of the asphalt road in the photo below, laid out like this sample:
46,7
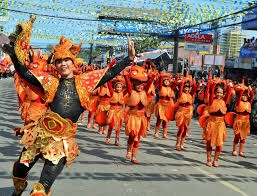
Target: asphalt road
103,170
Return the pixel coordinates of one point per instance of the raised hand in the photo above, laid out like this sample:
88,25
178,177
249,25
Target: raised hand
131,49
8,49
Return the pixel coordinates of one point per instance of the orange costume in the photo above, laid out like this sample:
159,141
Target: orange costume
135,122
164,107
149,110
215,129
115,113
52,136
31,104
103,105
203,109
185,109
92,106
102,108
241,123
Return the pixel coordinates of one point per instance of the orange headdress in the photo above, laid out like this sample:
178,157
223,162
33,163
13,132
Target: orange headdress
37,62
118,80
218,83
66,49
240,86
165,75
149,65
138,73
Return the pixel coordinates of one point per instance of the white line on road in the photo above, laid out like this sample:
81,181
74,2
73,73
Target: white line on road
226,184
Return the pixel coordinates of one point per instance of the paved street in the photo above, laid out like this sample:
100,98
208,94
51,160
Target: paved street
103,170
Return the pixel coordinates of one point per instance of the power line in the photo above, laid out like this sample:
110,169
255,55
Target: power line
51,16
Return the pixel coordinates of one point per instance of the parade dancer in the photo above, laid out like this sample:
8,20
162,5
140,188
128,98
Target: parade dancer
135,122
241,124
149,110
115,113
164,107
103,105
184,113
215,126
92,107
202,109
102,108
52,137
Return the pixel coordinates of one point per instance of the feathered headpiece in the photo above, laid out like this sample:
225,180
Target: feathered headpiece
66,49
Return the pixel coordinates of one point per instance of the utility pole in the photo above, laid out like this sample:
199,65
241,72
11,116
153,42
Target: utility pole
91,52
215,45
215,36
175,53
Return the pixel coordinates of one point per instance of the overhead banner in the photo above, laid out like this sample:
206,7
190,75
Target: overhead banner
249,52
252,17
198,38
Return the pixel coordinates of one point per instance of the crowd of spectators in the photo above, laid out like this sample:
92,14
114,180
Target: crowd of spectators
250,43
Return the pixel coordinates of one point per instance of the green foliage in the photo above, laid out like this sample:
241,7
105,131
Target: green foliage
148,43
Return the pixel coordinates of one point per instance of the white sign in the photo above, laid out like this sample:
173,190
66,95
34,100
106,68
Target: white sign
219,60
198,47
195,60
208,59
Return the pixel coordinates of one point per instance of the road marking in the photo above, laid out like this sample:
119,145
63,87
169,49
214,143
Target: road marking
226,184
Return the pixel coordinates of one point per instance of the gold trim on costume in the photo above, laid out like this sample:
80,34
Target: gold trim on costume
22,35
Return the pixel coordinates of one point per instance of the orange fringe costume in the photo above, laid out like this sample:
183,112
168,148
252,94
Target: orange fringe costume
115,113
135,121
103,105
215,125
149,110
102,108
241,123
92,106
164,107
31,104
185,110
202,109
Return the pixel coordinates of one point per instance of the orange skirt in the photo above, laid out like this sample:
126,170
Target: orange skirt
164,110
242,125
150,107
101,113
216,130
184,115
115,113
137,122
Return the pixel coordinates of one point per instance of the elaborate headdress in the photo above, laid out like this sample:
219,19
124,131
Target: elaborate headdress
37,62
138,73
66,49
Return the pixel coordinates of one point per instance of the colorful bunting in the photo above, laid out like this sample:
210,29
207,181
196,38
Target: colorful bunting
80,20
